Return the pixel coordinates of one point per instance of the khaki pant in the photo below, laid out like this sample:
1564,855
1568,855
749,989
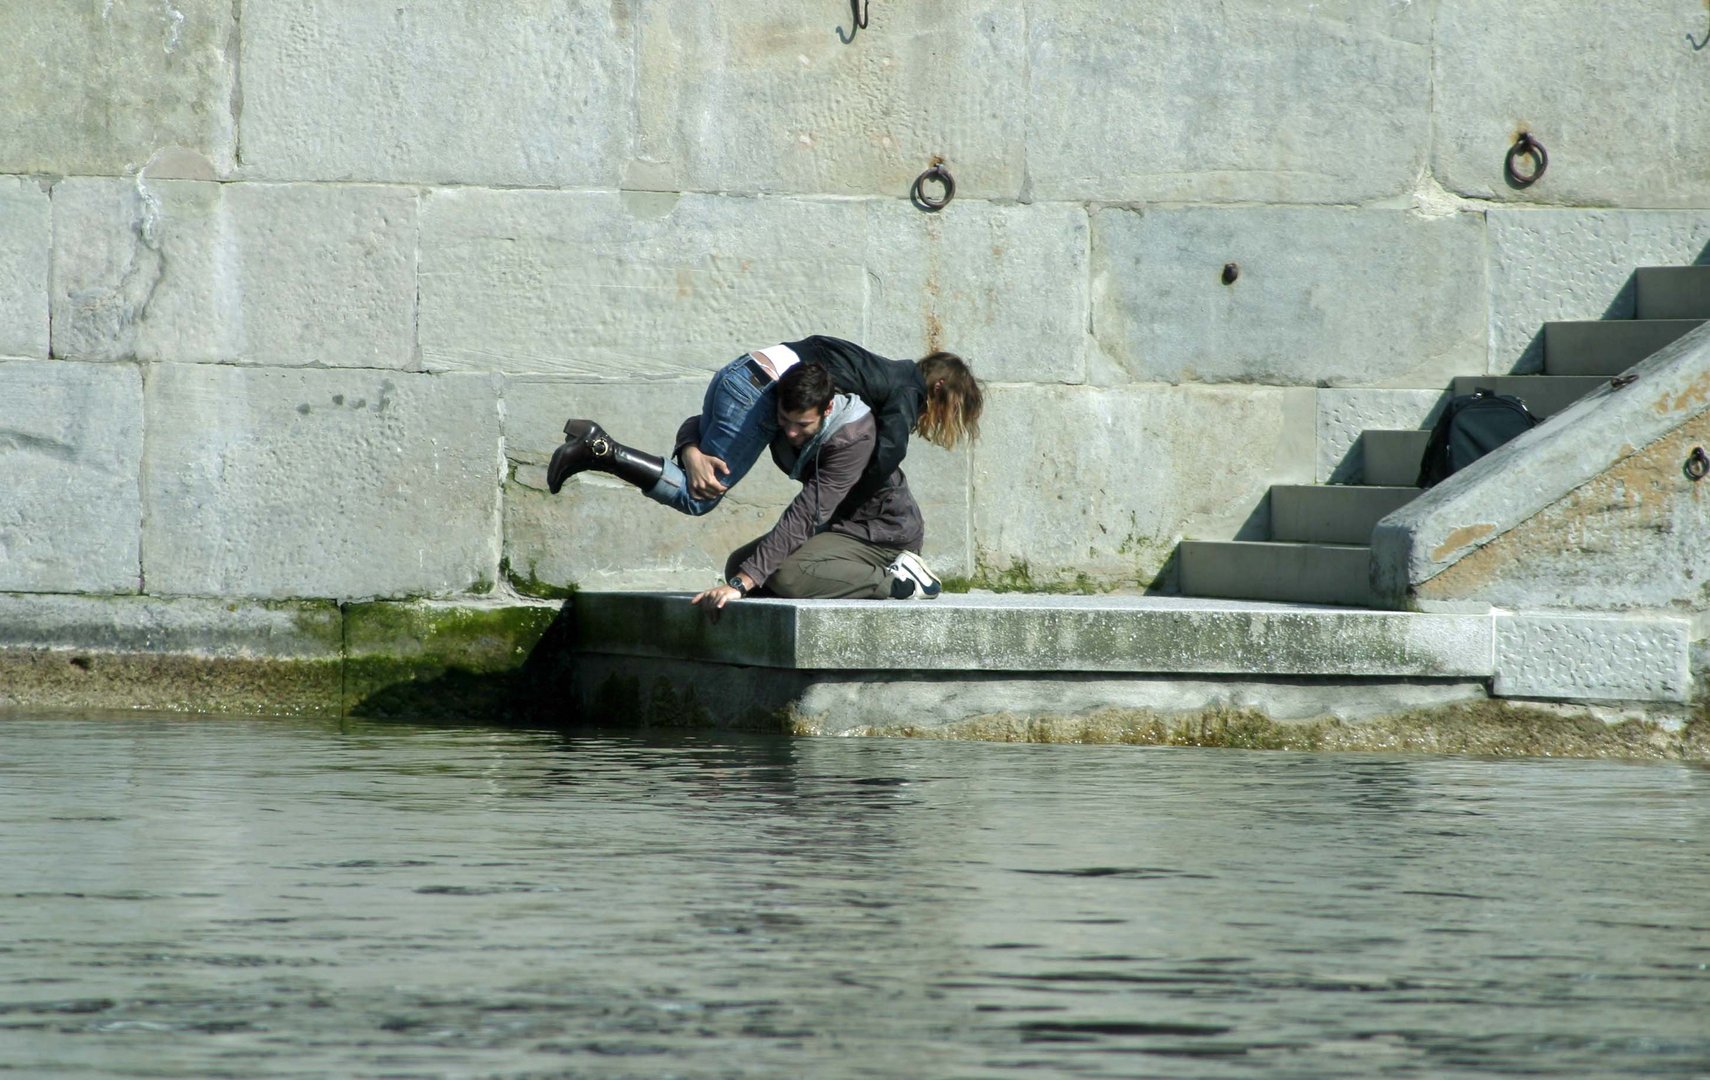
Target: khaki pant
830,566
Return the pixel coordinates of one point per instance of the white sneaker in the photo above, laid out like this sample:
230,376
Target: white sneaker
909,577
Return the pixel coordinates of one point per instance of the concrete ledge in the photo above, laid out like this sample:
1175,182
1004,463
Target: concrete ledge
468,660
1031,633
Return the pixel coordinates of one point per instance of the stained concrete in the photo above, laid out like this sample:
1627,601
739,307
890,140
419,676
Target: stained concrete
26,228
110,87
1159,301
435,90
1076,484
280,483
1297,101
632,286
286,275
70,499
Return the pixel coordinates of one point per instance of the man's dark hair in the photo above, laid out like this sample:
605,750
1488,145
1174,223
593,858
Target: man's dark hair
806,386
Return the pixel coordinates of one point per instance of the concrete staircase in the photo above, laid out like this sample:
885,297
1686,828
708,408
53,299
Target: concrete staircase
1319,549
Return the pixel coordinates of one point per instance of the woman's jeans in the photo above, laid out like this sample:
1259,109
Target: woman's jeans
738,419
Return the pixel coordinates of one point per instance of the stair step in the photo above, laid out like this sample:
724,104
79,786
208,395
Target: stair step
1392,457
1334,513
1672,292
1281,572
1545,395
1609,347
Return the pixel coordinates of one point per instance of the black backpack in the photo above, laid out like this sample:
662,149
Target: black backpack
1471,426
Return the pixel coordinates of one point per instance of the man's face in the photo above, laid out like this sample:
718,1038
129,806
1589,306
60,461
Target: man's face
799,427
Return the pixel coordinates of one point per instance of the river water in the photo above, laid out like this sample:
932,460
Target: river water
264,898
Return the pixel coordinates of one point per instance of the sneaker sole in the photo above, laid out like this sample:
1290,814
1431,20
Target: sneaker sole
928,584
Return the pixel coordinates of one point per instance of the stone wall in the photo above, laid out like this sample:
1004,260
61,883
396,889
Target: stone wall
295,294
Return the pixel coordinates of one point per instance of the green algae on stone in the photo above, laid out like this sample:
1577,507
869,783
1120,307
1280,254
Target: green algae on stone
527,584
414,659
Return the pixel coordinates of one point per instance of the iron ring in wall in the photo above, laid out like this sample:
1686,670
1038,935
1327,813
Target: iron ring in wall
917,193
1697,465
1528,146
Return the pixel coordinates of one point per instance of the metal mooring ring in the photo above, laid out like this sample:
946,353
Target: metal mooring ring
1697,464
917,193
1526,144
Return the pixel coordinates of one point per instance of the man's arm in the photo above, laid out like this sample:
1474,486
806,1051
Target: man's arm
841,460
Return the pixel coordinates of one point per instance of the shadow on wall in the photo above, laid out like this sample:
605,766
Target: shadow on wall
1623,305
536,692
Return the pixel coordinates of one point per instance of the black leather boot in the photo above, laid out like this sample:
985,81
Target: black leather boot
587,446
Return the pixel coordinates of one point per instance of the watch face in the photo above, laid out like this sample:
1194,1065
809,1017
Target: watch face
736,583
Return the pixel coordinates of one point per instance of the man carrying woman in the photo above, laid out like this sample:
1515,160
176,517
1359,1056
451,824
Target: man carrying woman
742,413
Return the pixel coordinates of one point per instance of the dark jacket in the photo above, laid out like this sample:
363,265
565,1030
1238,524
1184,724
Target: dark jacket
889,517
893,389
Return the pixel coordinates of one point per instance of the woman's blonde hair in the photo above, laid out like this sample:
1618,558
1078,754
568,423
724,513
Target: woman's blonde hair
954,400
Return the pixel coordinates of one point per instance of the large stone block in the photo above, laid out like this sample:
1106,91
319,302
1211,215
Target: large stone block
436,91
1004,286
70,507
319,483
26,237
1254,100
1592,658
188,654
1344,414
1558,265
1611,90
188,272
109,87
1332,297
600,532
1104,482
767,97
604,286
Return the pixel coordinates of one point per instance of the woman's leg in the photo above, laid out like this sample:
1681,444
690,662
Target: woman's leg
738,420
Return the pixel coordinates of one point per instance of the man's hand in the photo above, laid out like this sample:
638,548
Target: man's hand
703,471
713,600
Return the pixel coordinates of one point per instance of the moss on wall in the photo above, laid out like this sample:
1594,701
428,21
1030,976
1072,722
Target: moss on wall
433,660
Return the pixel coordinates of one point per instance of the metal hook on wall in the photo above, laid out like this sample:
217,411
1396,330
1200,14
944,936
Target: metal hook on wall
858,15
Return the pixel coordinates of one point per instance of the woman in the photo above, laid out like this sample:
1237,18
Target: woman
936,397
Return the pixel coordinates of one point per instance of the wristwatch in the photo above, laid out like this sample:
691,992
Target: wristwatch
737,583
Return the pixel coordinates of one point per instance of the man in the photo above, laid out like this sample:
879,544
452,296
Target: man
820,549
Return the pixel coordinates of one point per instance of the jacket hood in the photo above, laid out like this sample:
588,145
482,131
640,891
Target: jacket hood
845,409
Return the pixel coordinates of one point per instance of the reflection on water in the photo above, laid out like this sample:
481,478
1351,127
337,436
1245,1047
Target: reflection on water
199,897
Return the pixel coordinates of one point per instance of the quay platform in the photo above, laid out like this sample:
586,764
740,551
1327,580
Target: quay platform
1150,669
